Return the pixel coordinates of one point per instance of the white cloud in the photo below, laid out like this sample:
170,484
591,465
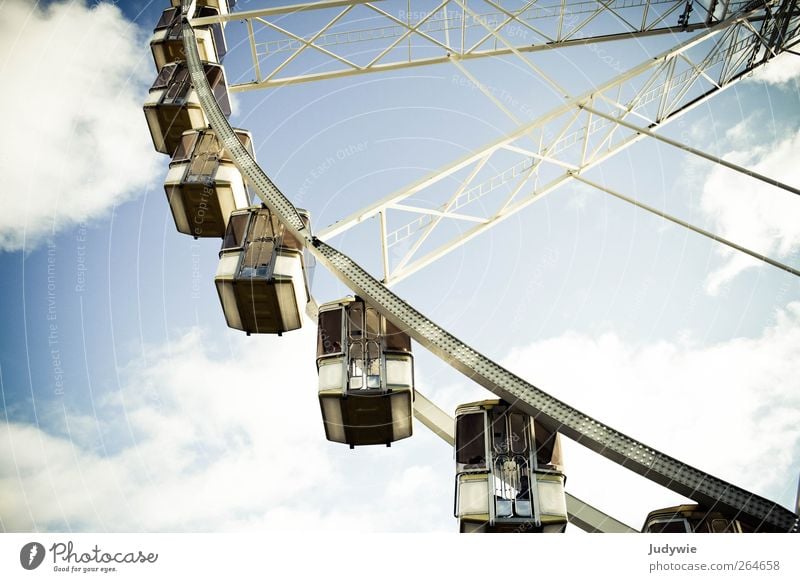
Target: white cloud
205,436
781,70
211,439
75,139
210,443
731,409
752,213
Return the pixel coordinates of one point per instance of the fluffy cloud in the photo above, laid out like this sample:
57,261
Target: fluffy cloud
75,139
195,441
756,215
731,409
213,436
781,70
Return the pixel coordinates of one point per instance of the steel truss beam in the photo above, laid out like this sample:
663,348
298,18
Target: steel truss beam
689,226
354,37
569,140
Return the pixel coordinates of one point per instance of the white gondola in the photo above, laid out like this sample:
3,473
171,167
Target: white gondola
366,375
203,185
261,278
166,43
508,472
173,107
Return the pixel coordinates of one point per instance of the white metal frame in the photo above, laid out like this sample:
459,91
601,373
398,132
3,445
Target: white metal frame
584,132
458,29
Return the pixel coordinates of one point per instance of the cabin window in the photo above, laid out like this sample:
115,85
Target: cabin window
257,258
544,441
216,80
179,86
185,148
723,526
373,364
373,326
356,320
166,18
669,526
164,76
500,434
175,33
209,145
221,96
289,240
278,230
204,164
234,235
356,354
396,339
524,483
261,227
213,74
203,11
470,443
329,337
519,433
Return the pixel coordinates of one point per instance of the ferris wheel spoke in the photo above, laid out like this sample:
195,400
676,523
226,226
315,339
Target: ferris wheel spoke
694,151
683,223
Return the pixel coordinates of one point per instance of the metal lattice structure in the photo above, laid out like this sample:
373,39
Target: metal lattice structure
445,30
549,152
555,149
589,129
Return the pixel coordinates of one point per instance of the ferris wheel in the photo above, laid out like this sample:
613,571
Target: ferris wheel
509,474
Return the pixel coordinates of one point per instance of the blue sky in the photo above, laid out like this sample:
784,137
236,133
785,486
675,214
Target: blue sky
123,389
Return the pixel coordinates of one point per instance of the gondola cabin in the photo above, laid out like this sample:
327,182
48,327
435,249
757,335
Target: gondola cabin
203,185
173,107
508,472
366,375
261,277
166,43
691,519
